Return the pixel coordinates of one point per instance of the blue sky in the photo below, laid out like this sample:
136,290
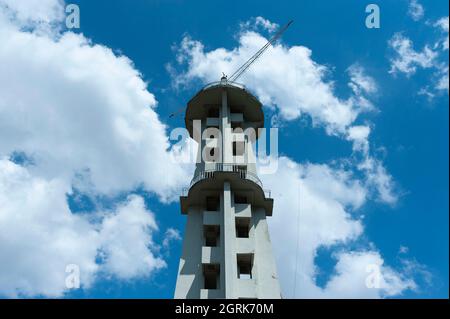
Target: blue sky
408,128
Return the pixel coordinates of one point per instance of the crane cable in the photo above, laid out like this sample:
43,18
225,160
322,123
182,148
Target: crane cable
297,244
250,61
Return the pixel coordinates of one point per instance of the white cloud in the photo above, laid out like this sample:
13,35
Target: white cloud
171,235
442,68
260,22
433,56
403,249
359,135
315,205
360,82
84,117
284,78
77,107
415,10
379,179
126,242
40,236
26,12
407,59
353,277
442,24
442,82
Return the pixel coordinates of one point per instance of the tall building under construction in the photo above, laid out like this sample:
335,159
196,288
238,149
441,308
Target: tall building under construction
227,251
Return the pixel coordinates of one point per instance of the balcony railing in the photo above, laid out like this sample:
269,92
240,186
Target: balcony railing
224,82
220,167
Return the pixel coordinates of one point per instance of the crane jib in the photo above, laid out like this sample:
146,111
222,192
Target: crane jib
250,61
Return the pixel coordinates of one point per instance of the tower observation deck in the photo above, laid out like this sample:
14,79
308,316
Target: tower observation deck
226,247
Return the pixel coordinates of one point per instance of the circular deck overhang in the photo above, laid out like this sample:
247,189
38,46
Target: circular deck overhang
238,98
200,187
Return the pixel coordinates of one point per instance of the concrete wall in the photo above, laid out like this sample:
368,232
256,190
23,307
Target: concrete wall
264,281
190,276
265,273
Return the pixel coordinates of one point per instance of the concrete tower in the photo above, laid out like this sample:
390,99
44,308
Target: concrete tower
226,249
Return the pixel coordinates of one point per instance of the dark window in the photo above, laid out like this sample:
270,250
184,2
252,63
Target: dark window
235,109
242,227
212,203
211,276
244,265
240,199
213,112
211,233
235,125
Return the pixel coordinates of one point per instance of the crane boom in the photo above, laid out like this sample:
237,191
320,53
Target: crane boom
250,61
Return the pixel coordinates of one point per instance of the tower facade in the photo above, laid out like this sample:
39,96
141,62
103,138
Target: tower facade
226,248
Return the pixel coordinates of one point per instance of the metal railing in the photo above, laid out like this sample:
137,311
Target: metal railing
222,82
220,167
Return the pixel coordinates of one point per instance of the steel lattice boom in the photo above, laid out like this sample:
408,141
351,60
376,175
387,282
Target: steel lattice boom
250,61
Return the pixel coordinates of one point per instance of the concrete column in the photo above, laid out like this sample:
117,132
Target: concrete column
225,127
268,286
229,233
190,278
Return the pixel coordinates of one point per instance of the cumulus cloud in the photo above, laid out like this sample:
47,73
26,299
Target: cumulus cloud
82,117
40,237
363,274
126,245
433,56
33,12
319,209
285,79
92,114
415,10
